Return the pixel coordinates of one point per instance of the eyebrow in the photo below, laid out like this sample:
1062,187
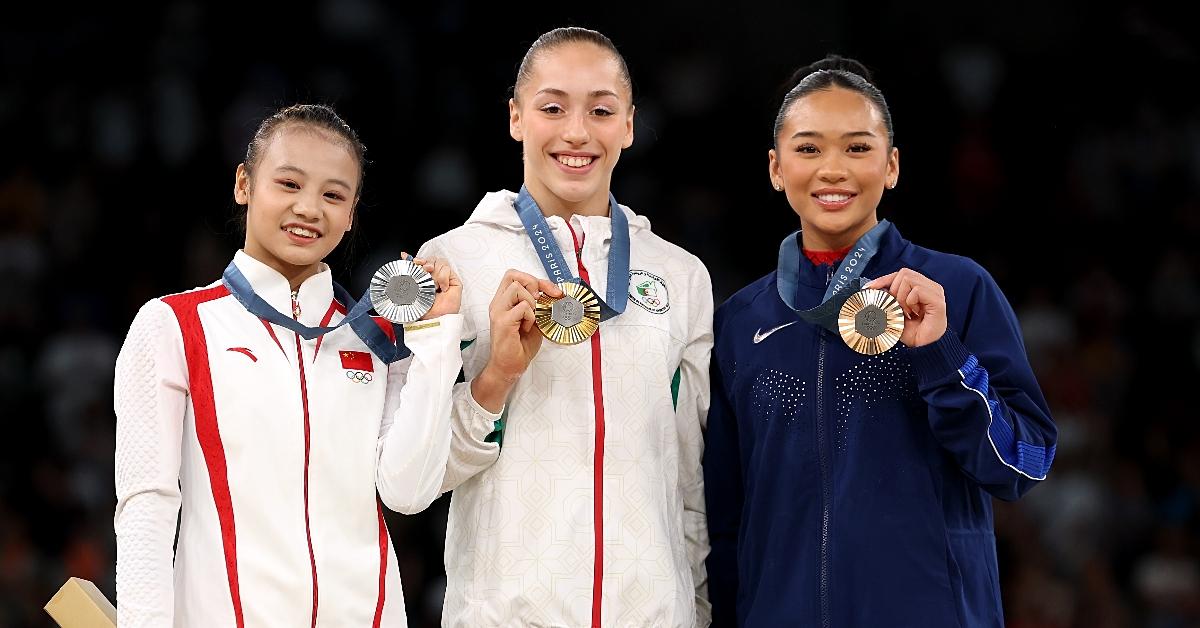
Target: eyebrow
844,135
291,168
596,93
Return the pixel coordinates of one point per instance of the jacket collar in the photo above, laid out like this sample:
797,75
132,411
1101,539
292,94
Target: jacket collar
497,208
314,295
891,246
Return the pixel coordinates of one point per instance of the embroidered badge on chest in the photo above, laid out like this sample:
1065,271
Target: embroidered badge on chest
358,365
649,291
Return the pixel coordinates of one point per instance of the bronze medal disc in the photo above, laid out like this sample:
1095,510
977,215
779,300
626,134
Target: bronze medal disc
871,321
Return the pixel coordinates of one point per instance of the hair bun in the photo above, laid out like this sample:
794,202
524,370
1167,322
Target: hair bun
830,72
834,62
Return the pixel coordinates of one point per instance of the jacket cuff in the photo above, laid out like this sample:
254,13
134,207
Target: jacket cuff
483,412
496,435
939,359
444,330
480,424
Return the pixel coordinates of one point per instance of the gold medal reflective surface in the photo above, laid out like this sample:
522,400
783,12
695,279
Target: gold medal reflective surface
871,321
570,319
401,291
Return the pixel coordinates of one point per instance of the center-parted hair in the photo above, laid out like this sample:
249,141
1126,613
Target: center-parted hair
568,35
321,117
832,71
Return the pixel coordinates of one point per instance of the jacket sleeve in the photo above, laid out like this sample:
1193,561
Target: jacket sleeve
985,406
475,441
414,436
691,411
723,490
150,400
474,432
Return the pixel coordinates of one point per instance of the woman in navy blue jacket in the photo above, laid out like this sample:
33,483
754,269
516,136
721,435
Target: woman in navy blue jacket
849,483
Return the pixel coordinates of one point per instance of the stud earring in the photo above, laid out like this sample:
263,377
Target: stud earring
778,188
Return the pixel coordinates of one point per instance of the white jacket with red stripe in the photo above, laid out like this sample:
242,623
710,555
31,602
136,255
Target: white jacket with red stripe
276,448
590,511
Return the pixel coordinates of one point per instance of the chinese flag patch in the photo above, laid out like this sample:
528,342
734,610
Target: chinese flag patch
356,361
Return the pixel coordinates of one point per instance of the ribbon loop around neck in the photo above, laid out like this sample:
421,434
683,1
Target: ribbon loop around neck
555,264
846,281
356,317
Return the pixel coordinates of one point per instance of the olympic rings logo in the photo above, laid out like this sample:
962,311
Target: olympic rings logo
361,377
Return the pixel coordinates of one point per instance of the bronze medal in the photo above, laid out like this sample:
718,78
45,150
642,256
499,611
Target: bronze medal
871,321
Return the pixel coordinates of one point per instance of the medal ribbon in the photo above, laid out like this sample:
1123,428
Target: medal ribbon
356,317
848,280
556,266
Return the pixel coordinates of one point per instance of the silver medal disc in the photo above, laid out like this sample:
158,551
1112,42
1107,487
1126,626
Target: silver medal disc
401,291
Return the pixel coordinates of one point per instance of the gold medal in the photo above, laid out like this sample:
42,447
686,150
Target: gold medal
571,318
401,291
871,321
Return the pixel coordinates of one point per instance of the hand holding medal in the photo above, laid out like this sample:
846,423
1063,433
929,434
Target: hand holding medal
923,301
448,294
515,336
869,319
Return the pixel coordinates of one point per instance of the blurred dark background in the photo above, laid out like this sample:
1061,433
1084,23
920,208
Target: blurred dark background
1055,144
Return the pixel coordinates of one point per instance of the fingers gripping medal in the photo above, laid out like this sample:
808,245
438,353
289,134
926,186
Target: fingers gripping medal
871,321
571,318
402,291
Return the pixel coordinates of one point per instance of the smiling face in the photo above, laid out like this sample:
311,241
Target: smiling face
300,199
833,161
573,116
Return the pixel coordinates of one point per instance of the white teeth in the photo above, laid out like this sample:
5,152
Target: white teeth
574,162
301,231
833,198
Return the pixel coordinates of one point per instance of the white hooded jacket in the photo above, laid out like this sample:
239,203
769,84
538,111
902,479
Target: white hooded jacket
587,508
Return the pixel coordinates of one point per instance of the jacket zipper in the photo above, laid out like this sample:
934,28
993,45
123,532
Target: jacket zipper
307,447
823,460
598,477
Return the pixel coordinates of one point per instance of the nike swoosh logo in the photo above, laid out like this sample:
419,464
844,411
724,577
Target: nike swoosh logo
760,336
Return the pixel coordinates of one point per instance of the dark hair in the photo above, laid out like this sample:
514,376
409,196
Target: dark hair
318,116
832,71
568,35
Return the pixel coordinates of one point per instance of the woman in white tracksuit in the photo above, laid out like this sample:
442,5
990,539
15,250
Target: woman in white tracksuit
578,497
269,447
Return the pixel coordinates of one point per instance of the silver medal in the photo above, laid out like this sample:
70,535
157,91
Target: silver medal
401,291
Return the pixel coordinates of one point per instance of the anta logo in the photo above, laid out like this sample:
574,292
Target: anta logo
649,291
244,351
359,366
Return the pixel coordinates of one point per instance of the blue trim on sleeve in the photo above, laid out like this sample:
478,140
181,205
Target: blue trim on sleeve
1032,461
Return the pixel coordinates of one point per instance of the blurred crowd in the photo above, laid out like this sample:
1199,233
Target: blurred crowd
1065,159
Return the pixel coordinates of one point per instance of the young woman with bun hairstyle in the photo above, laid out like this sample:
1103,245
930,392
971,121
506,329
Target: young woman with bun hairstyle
575,464
869,398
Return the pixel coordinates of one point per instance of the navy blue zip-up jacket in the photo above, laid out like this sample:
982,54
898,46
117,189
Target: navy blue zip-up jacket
846,490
